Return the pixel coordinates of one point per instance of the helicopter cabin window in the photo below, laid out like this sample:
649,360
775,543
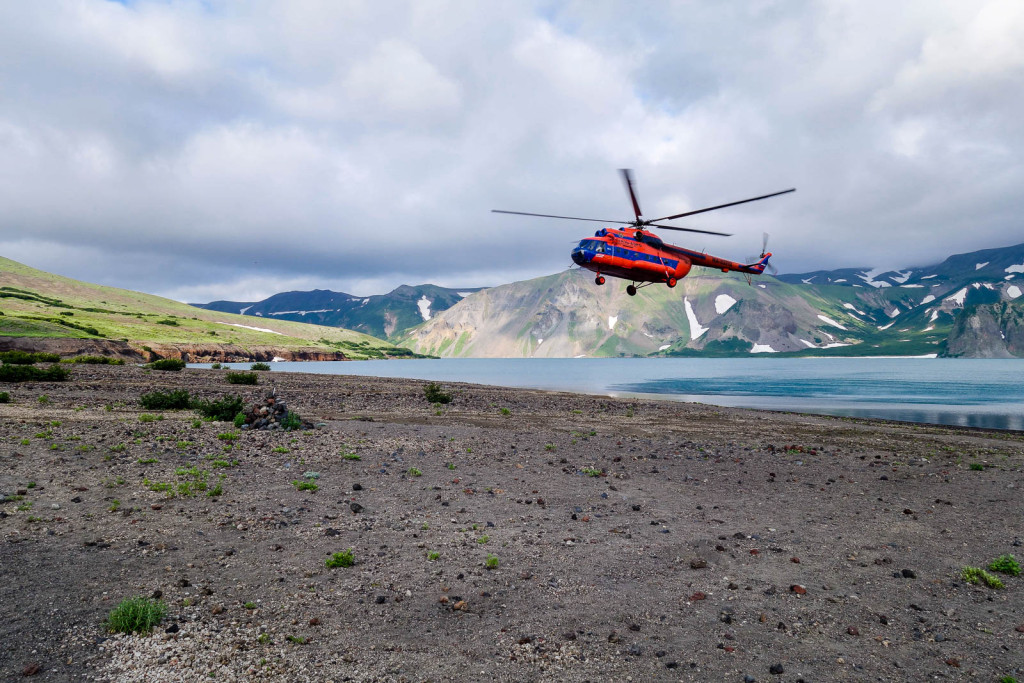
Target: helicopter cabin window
593,245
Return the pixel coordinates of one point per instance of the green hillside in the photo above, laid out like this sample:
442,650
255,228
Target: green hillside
34,303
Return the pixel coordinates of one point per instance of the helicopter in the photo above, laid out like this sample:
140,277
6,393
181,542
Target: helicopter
636,254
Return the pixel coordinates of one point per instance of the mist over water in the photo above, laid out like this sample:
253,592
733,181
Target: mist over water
967,393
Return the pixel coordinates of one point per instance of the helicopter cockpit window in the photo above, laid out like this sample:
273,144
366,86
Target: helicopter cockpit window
593,245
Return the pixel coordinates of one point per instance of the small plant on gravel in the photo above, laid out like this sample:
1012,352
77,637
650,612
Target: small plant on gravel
118,448
977,466
414,472
349,455
492,561
280,449
167,364
218,488
451,466
166,400
259,366
298,640
291,422
242,378
305,486
197,423
25,507
977,575
183,445
5,397
43,400
342,559
1005,564
215,366
424,527
591,471
147,417
115,505
435,394
263,639
483,539
148,461
25,442
239,420
549,447
228,436
506,411
95,360
159,487
433,556
136,615
249,605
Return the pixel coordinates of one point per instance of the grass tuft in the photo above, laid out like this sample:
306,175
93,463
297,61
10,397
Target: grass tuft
342,559
136,615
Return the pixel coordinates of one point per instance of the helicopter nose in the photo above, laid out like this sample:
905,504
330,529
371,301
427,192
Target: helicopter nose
577,257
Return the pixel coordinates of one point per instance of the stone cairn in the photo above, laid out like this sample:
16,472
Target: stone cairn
268,414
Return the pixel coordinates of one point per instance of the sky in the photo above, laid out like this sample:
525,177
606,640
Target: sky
209,149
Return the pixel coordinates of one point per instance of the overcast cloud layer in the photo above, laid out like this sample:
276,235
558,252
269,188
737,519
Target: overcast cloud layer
220,150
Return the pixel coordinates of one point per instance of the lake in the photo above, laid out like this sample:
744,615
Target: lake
967,393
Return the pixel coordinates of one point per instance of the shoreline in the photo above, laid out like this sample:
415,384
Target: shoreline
648,539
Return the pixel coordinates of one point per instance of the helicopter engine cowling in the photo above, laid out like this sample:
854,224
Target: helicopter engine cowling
682,268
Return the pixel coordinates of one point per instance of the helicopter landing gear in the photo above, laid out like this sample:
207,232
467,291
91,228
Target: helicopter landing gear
671,282
631,290
599,280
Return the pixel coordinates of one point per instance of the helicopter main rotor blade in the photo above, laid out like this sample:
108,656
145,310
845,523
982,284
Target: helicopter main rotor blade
568,218
722,206
675,227
627,177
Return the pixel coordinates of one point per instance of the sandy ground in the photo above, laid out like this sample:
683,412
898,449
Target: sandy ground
633,540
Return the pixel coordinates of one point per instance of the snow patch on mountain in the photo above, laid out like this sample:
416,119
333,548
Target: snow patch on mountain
927,300
723,302
1015,269
612,319
250,327
762,348
424,305
242,312
695,329
1013,291
958,298
979,266
829,321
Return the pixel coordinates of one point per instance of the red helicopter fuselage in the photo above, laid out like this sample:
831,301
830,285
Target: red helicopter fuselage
641,256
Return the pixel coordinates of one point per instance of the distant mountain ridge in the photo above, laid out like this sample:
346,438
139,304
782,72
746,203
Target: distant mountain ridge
965,306
380,315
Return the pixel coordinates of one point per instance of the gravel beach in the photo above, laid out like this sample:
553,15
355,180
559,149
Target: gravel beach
509,535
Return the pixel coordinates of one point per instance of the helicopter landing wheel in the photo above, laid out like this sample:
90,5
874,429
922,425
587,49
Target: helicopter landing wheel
599,280
671,282
631,290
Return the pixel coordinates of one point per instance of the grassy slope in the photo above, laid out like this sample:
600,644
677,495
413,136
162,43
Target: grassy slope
125,315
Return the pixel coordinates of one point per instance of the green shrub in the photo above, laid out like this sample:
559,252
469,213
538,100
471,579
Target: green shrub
5,397
223,409
414,472
168,364
215,366
167,321
433,556
166,400
27,357
239,420
136,615
977,466
305,486
242,378
146,417
96,360
291,422
28,373
492,561
1005,564
259,366
342,559
434,394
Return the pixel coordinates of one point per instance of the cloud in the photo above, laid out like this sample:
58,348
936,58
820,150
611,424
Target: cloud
221,150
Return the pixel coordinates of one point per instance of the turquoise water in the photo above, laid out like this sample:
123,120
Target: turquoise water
968,393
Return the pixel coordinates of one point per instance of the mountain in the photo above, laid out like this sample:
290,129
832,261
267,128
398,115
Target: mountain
42,311
381,315
964,306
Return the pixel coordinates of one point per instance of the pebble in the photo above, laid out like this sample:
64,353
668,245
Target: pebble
776,669
798,589
698,563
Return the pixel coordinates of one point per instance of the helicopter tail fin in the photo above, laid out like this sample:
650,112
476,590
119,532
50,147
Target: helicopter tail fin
760,266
